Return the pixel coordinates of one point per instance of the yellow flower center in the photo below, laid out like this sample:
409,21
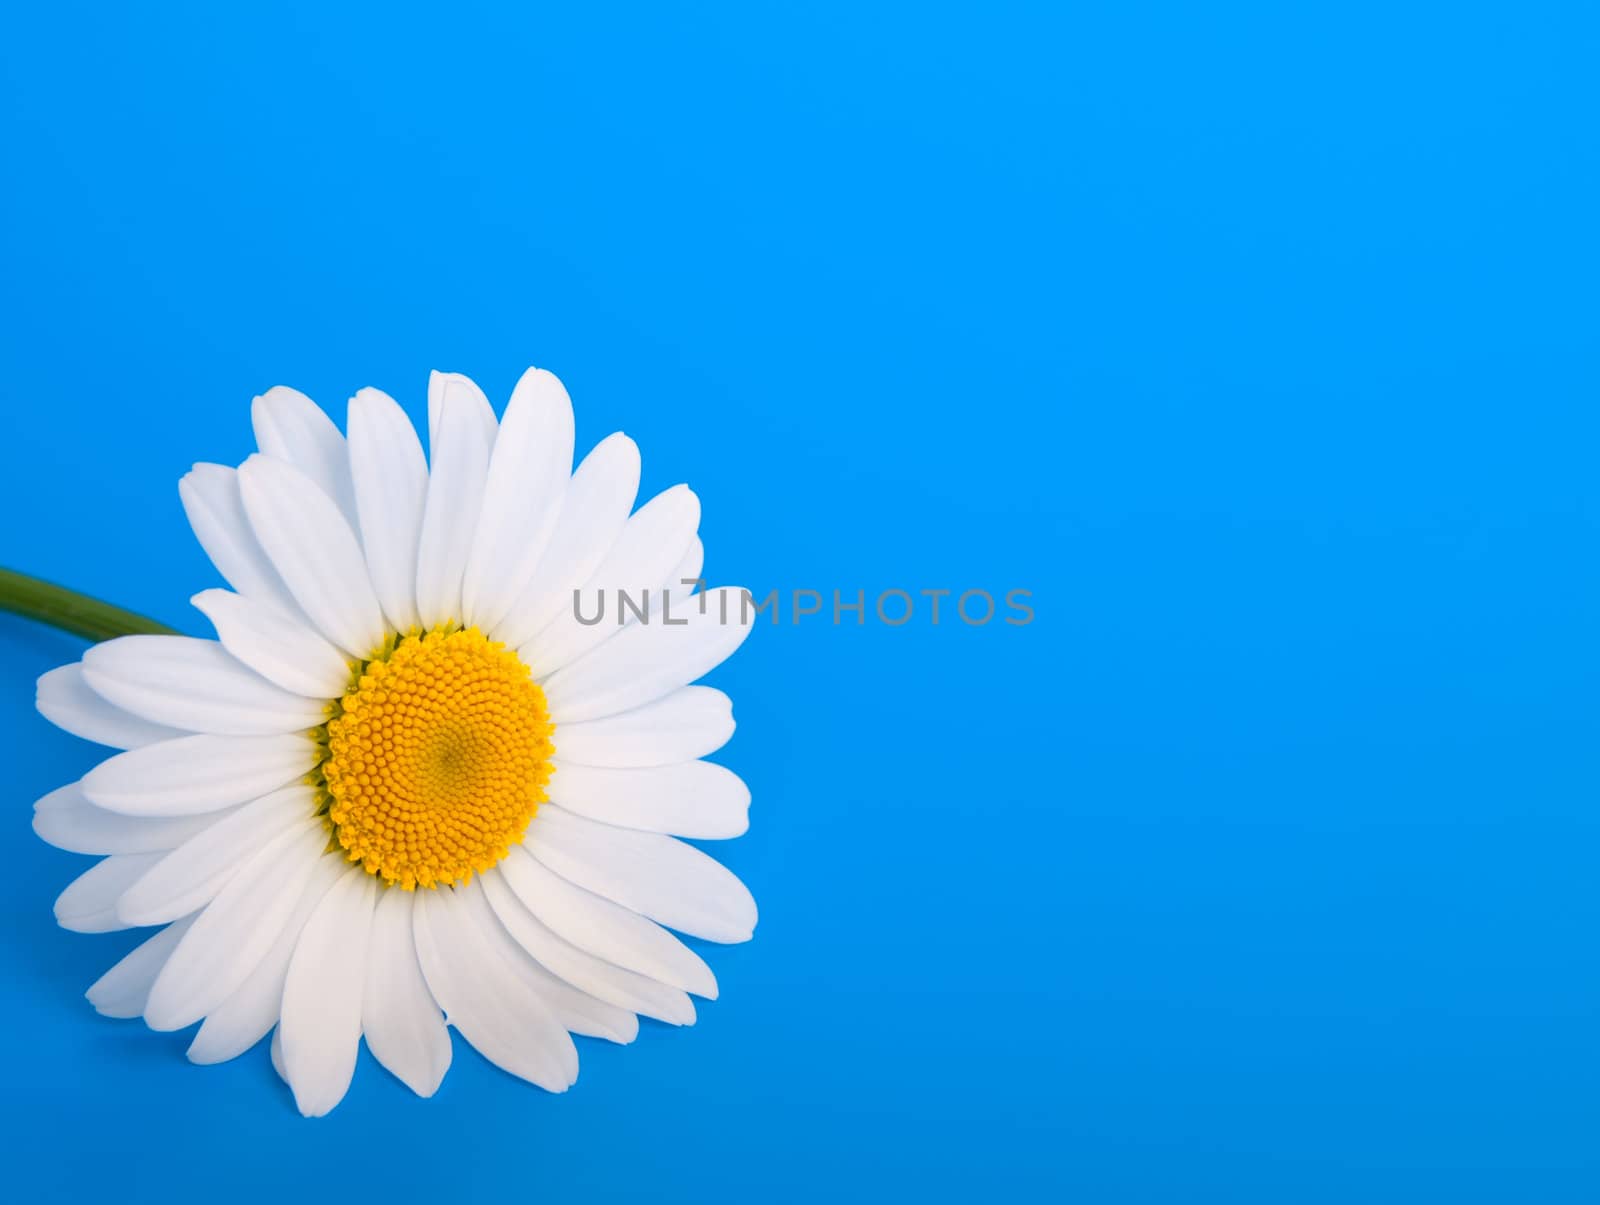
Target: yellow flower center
437,758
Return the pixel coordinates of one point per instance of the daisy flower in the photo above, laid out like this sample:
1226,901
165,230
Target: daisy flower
407,786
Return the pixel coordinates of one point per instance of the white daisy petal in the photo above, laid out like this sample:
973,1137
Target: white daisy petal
482,996
321,1020
455,501
391,484
662,878
68,821
609,931
645,661
687,724
277,1055
65,699
191,875
291,427
690,799
210,494
592,514
283,650
235,932
122,991
315,551
196,685
576,1010
401,1021
652,543
458,389
195,774
528,472
599,978
250,1012
89,904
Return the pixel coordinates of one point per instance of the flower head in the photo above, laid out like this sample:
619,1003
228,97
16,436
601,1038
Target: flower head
408,784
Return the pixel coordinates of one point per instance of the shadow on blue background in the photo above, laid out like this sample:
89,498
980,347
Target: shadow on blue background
1260,345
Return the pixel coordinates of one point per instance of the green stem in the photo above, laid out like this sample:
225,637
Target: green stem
71,611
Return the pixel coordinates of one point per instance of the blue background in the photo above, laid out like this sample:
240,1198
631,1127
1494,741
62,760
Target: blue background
1259,342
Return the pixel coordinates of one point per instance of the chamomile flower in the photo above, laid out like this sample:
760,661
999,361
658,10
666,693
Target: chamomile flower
409,785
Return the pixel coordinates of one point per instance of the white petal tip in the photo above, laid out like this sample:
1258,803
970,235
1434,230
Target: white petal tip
423,1081
98,923
107,1009
205,1052
319,1104
276,394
